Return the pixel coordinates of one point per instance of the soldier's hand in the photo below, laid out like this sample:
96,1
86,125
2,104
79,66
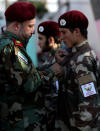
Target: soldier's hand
57,69
61,56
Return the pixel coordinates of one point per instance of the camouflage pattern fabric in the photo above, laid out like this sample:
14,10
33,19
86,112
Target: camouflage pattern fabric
81,97
50,94
46,59
19,81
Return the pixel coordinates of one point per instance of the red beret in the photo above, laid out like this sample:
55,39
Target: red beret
49,28
20,11
73,19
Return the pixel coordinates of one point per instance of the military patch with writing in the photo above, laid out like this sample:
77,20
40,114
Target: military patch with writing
22,57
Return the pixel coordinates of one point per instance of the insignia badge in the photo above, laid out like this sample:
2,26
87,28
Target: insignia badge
88,89
41,29
62,22
16,42
22,57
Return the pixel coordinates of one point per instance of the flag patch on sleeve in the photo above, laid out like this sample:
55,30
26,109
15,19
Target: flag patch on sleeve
88,89
87,85
22,57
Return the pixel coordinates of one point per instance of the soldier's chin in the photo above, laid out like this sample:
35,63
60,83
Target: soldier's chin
29,37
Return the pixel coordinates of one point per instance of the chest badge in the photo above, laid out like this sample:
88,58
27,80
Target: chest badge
22,57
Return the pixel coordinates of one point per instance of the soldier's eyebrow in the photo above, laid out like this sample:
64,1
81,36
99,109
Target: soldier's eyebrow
31,25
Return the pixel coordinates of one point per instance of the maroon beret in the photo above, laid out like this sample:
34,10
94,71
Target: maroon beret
49,28
73,19
20,11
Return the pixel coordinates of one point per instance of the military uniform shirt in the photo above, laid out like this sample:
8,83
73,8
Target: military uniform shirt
19,81
82,92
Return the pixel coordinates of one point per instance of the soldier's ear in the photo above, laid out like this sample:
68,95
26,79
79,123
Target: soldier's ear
16,25
77,31
51,40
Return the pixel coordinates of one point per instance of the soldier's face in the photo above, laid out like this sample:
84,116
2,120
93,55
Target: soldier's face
42,42
67,37
27,28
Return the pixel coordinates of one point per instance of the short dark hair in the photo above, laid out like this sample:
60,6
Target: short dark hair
56,38
84,32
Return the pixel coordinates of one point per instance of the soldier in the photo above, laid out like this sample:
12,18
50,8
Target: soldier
82,92
19,80
49,41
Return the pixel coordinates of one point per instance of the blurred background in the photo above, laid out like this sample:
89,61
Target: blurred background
51,10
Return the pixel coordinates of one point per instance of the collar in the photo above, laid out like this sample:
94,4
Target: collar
77,47
11,35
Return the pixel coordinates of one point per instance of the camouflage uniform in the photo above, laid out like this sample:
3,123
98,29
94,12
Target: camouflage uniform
81,97
49,94
46,59
49,91
19,81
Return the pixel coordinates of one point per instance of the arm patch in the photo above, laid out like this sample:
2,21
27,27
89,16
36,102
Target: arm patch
87,85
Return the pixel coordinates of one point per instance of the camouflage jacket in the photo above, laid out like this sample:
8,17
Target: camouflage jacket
19,80
49,91
46,59
82,92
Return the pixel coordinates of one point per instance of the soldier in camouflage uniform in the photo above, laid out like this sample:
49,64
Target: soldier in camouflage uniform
19,80
82,92
49,41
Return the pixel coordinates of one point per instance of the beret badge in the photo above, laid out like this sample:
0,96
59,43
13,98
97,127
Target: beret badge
62,22
41,29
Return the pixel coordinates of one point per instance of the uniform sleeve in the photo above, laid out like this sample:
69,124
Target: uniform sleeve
18,83
17,72
86,114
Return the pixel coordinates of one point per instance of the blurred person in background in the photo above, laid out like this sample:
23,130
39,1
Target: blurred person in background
82,93
19,80
49,42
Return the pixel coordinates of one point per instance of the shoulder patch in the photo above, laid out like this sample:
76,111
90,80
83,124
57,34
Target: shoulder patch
87,85
85,79
88,89
18,43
